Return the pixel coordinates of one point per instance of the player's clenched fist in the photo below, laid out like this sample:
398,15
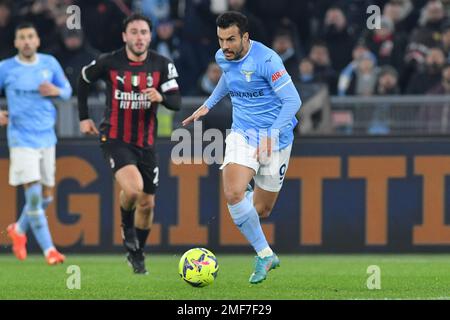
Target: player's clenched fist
200,112
153,95
48,89
3,118
88,127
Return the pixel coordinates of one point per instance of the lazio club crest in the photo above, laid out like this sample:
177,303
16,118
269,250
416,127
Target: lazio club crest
248,75
45,74
248,69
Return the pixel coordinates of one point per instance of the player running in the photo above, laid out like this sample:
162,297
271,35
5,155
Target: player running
31,80
138,79
265,102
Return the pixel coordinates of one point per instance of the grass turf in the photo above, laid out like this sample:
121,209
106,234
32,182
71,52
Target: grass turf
299,277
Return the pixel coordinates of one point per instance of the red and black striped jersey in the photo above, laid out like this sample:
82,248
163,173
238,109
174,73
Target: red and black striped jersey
130,116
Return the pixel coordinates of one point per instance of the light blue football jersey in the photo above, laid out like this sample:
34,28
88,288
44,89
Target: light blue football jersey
31,116
252,83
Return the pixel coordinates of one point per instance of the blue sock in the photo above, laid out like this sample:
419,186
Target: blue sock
36,216
46,202
249,196
246,219
23,223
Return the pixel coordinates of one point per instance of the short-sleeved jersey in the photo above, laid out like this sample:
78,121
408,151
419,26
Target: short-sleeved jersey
253,82
31,116
130,116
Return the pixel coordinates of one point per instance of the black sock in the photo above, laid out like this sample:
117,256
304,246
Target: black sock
127,218
142,235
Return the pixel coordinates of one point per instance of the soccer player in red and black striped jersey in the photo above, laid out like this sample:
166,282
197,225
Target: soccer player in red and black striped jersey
138,79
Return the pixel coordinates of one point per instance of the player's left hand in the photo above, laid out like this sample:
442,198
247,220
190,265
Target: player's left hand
48,89
264,150
153,94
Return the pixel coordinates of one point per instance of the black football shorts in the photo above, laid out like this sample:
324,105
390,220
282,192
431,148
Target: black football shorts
120,154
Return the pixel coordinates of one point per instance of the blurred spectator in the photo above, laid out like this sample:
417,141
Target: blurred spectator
199,42
279,13
430,73
338,37
445,43
426,35
444,86
306,81
73,54
166,42
365,77
436,117
356,12
347,74
306,72
323,69
387,46
7,26
102,22
156,10
209,80
255,25
430,24
359,77
284,46
403,13
387,82
42,14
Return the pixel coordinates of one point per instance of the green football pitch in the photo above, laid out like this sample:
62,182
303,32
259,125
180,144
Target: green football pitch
299,277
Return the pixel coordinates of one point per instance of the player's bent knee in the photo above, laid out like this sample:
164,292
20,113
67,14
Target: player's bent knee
132,194
146,206
263,210
233,196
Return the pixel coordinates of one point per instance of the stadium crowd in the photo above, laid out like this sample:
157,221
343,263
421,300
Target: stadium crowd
320,41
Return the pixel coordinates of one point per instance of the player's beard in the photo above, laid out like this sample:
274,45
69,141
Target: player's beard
28,53
238,54
138,53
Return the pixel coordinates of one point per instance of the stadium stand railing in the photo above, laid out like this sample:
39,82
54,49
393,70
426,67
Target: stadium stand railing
375,115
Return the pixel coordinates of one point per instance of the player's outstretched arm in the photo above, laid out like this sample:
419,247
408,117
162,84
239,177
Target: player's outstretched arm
200,112
3,118
219,92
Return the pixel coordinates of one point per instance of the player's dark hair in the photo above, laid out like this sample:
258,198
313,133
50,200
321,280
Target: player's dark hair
233,18
135,17
25,25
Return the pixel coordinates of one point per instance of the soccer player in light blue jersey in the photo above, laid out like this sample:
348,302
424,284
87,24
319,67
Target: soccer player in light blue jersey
31,80
265,102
